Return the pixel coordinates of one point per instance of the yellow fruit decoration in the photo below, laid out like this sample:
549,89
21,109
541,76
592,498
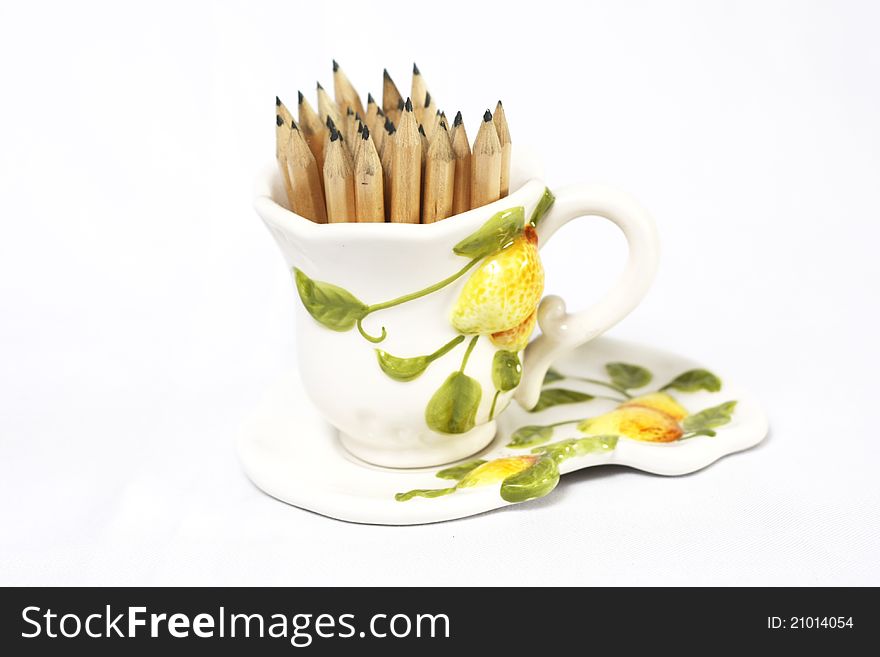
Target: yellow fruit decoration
636,422
517,338
504,291
659,401
497,470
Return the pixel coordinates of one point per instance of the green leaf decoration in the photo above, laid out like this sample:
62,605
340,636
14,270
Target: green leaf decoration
627,376
710,418
407,369
453,408
543,207
423,492
506,370
457,472
533,434
494,235
556,396
694,380
330,305
402,369
552,376
565,449
535,481
701,432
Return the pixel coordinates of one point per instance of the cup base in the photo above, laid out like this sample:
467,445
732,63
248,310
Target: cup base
446,450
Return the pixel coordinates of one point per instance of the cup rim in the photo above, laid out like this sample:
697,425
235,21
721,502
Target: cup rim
277,215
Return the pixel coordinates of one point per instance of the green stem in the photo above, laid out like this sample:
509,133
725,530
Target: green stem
426,291
445,349
467,354
494,401
369,337
622,391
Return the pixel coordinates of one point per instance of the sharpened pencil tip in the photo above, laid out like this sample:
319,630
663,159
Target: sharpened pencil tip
385,74
334,134
335,66
427,99
422,130
278,120
457,120
400,105
389,126
416,69
370,99
408,105
293,125
487,116
330,123
300,98
379,111
360,127
365,134
277,101
349,111
499,104
319,86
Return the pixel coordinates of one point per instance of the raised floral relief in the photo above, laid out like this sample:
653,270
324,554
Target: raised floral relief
499,301
649,416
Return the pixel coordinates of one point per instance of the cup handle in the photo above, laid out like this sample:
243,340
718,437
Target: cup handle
563,331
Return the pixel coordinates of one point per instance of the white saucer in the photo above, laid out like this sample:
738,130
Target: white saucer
289,452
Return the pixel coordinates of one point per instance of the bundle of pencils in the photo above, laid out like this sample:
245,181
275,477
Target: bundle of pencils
401,162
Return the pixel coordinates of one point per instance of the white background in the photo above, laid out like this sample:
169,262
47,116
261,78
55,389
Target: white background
144,308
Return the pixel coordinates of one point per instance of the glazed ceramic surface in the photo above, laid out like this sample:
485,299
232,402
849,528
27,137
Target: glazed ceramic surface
412,338
606,402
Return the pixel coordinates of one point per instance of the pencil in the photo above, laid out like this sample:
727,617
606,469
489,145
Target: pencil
368,183
282,139
372,113
419,89
385,155
307,199
504,139
339,181
326,107
486,164
351,124
391,98
406,169
312,129
461,197
343,89
439,177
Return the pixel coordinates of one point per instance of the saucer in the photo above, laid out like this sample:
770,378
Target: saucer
607,402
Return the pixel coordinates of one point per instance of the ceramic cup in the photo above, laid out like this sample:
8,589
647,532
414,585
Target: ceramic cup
412,338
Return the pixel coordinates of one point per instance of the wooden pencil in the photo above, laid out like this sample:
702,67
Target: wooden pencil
439,177
377,130
339,181
503,131
385,155
372,113
486,164
282,139
368,184
461,198
391,98
307,199
350,133
419,89
326,107
312,129
406,169
346,94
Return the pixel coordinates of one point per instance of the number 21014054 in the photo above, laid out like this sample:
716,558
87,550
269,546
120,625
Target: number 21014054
809,622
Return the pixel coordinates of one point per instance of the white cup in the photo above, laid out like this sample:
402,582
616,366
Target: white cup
441,291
